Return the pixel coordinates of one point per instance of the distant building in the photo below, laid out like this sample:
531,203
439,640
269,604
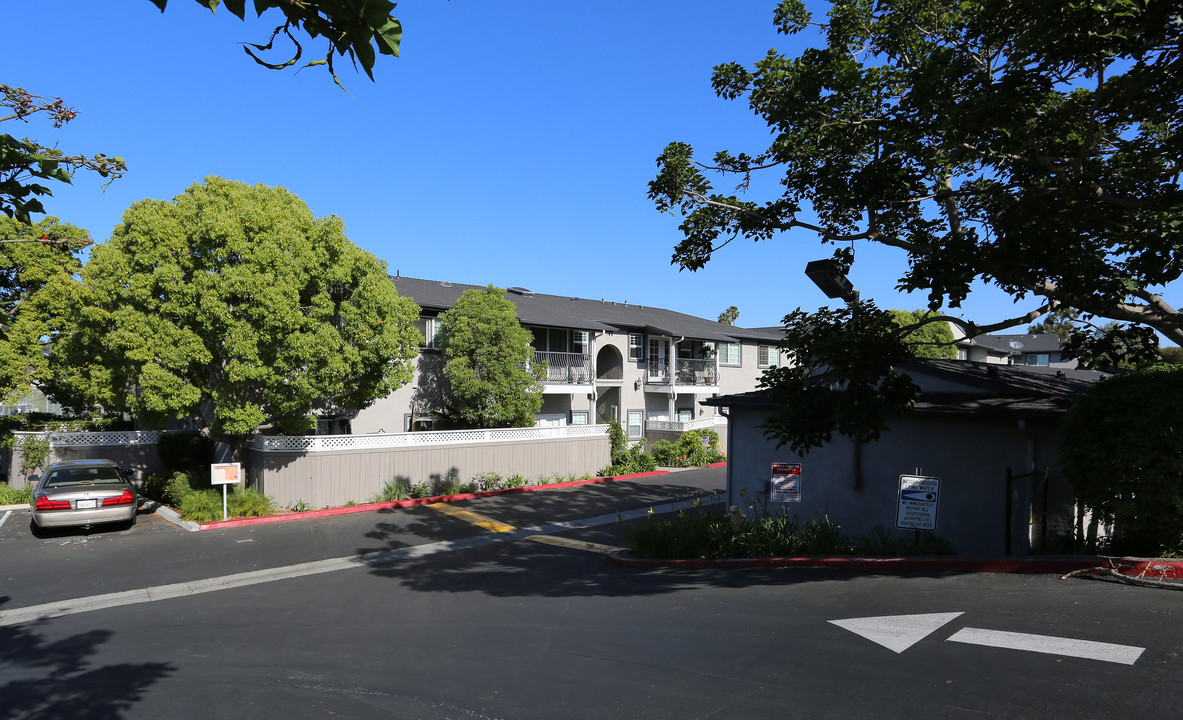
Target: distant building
1041,350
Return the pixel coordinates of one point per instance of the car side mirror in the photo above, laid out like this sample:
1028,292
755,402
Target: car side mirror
33,479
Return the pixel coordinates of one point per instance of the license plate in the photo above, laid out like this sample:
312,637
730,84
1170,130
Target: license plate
86,504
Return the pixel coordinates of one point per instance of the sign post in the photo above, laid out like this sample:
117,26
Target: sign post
225,474
786,482
919,498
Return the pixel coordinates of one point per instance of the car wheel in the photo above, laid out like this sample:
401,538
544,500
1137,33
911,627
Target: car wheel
36,529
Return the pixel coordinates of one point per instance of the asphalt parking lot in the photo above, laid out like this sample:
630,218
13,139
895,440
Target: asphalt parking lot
15,527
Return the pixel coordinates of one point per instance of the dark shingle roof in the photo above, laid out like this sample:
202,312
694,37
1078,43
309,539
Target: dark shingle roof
581,313
975,388
1043,342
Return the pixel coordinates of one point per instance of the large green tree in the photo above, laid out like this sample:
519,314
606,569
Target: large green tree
1030,145
25,268
234,306
491,378
925,339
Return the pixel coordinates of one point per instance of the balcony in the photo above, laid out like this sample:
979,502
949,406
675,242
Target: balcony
698,374
566,368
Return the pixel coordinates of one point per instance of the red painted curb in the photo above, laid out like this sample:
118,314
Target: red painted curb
1126,566
238,522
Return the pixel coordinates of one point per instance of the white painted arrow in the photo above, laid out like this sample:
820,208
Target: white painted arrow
900,632
1068,647
896,632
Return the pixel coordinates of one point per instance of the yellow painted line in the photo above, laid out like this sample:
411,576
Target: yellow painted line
476,519
573,544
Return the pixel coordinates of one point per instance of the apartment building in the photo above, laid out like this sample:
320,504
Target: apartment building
648,368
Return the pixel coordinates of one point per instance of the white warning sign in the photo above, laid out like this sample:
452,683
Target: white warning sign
919,497
786,482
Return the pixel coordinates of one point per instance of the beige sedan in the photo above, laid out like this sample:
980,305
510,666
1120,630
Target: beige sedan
81,493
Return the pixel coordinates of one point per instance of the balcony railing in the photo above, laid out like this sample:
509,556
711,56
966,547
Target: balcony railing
684,372
566,368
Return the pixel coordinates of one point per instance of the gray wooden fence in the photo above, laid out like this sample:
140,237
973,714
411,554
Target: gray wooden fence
331,470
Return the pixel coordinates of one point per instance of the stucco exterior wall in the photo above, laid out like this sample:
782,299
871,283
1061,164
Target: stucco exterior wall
857,485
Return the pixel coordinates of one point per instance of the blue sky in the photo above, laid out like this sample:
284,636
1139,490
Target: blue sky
512,142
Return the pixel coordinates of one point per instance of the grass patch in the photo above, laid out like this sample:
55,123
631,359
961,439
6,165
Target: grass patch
705,535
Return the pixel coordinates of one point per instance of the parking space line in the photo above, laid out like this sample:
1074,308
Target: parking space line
74,606
469,516
3,519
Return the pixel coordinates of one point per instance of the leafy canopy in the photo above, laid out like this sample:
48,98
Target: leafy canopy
491,375
1030,145
926,334
234,306
25,268
349,27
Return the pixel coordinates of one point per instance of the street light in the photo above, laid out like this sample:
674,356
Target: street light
826,275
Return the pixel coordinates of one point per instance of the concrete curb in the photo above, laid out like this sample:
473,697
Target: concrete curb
327,512
169,515
1155,568
20,506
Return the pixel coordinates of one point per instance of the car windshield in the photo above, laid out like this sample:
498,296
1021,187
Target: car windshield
82,476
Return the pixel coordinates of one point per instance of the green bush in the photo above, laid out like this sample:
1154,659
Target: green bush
694,448
15,496
487,481
168,488
1120,450
201,506
393,491
422,490
632,461
697,534
248,502
516,481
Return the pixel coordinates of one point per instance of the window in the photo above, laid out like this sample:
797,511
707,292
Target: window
729,353
636,424
579,342
579,417
429,328
767,356
636,346
1038,358
685,415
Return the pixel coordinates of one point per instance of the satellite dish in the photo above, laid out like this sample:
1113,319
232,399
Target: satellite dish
1016,345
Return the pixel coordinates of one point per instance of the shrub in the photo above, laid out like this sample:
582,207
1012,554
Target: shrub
694,448
15,496
168,488
1120,450
486,481
516,481
393,491
201,506
248,502
421,490
632,461
692,535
